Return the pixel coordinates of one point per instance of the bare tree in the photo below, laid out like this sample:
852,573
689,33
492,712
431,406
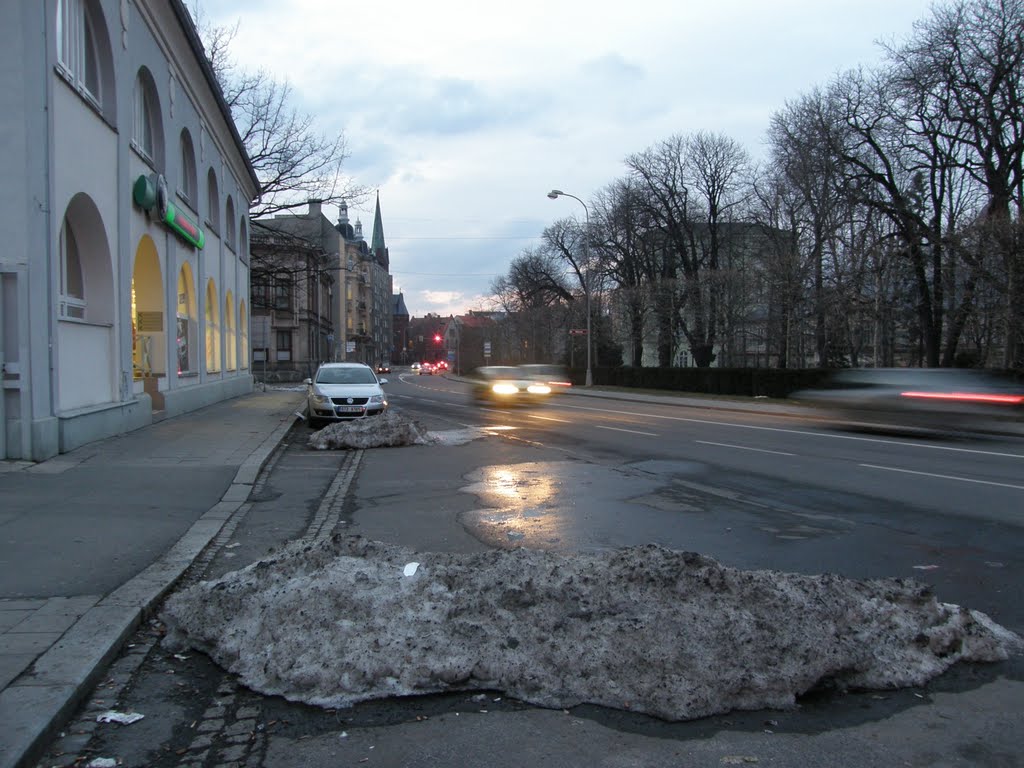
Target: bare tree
967,61
293,161
627,249
535,296
801,159
690,186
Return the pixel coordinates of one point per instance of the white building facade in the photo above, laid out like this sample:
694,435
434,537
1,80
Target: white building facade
124,198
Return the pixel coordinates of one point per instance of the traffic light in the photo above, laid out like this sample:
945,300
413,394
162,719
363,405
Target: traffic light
437,338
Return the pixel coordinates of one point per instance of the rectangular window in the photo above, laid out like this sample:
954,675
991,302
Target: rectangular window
284,345
282,295
261,294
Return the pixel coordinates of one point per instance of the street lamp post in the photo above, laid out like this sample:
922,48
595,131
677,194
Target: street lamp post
554,194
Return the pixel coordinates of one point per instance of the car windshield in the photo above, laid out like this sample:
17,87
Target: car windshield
345,376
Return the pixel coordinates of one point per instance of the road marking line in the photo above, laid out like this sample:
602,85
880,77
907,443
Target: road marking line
548,418
745,448
798,431
631,431
945,477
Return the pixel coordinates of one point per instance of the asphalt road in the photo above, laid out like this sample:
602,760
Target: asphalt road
752,490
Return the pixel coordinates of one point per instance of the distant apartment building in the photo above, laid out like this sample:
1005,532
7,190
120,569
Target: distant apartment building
374,303
318,294
124,277
399,330
295,317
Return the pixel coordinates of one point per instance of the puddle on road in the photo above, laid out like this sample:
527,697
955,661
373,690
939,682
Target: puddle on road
547,505
529,504
571,505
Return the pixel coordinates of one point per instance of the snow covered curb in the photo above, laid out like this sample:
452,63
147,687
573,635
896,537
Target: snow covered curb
672,634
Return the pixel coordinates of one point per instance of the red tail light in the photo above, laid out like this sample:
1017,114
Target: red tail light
967,397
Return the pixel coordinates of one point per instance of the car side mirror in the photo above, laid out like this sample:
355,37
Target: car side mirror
307,382
383,381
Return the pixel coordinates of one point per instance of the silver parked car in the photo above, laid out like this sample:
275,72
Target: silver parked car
343,391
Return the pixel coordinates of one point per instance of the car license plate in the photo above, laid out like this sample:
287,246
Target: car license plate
349,409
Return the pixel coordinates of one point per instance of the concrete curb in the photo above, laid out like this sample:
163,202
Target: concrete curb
35,707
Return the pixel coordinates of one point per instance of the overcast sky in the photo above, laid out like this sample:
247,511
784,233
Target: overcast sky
463,114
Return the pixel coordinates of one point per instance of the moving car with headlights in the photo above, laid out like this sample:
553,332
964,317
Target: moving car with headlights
426,369
931,399
507,385
383,368
343,391
555,376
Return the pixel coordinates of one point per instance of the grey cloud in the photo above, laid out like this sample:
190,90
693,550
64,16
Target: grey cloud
452,107
613,69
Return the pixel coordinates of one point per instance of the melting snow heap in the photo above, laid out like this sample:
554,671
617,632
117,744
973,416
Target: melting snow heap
672,634
389,429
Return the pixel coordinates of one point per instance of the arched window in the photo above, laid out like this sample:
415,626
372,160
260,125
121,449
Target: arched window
213,202
243,240
229,223
185,317
212,328
230,340
188,186
243,341
84,55
72,286
147,127
85,333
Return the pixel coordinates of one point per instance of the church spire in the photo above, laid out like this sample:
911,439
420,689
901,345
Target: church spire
377,241
377,246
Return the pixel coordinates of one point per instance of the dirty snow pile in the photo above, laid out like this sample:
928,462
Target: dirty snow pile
672,634
389,429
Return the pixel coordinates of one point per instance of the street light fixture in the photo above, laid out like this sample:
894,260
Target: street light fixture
554,194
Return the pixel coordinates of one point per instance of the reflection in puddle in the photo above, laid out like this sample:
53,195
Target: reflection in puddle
525,502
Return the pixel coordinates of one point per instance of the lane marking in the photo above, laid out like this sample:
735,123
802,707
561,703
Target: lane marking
945,477
745,448
548,418
631,431
800,432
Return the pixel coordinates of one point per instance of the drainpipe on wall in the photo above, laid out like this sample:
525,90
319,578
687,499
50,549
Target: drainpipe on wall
48,217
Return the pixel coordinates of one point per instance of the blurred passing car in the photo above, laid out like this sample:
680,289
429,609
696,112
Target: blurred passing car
426,369
507,385
933,399
415,367
555,376
343,391
383,368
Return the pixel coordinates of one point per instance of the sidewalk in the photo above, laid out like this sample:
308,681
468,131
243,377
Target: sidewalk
91,539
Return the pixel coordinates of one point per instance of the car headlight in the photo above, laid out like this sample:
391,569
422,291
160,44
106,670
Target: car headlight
504,388
319,399
539,389
375,400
